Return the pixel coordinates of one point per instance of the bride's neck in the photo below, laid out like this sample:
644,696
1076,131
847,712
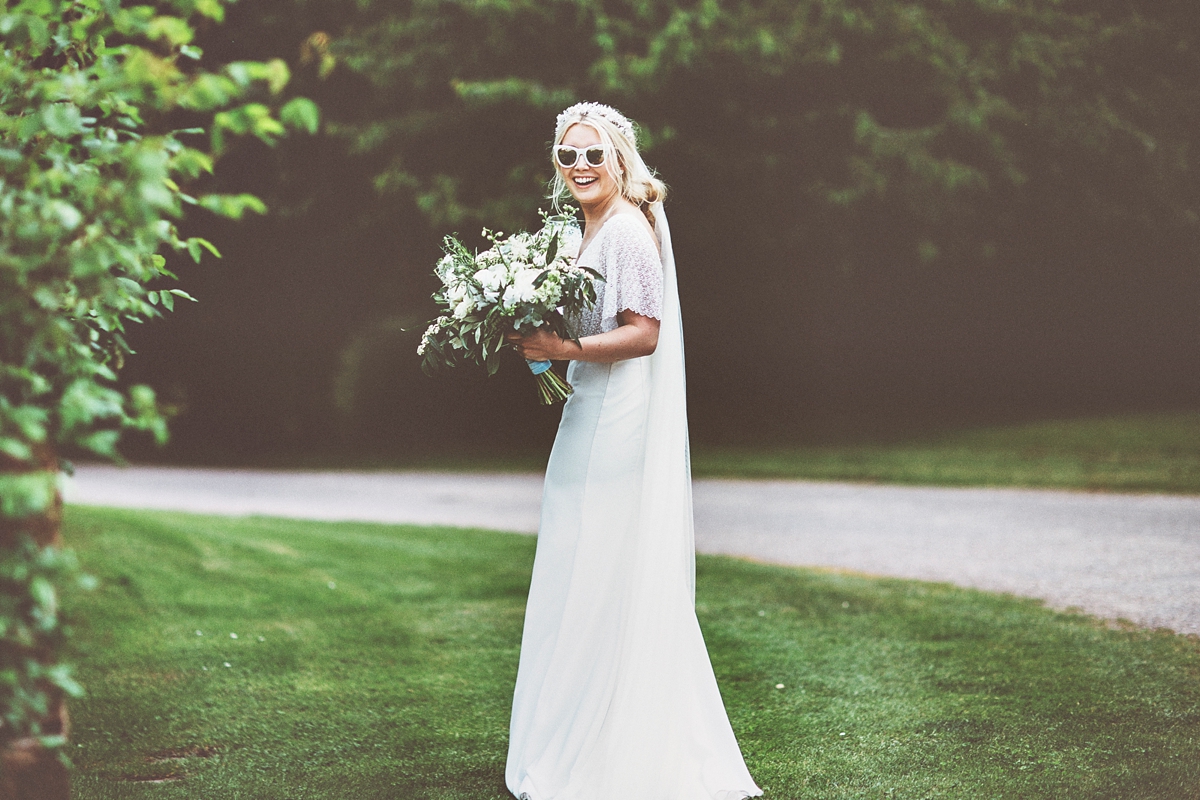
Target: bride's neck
596,213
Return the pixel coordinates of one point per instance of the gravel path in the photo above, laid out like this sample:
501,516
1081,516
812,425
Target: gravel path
1116,556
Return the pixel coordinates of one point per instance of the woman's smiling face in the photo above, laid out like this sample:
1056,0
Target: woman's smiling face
589,185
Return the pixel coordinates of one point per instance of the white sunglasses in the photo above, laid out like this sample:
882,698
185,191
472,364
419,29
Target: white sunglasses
568,156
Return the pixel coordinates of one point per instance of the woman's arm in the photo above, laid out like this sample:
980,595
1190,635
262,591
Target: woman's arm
635,336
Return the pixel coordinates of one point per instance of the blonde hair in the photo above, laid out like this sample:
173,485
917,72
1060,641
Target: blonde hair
636,182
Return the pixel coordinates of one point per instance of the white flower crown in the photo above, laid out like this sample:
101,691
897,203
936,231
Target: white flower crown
607,113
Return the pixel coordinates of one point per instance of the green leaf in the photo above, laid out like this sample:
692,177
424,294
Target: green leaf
42,592
29,420
233,206
213,9
277,75
301,113
208,92
192,162
84,403
66,215
173,30
197,244
57,740
26,493
27,28
274,72
129,287
60,676
62,120
15,448
102,443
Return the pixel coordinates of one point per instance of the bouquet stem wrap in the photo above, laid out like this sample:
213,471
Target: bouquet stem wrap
551,388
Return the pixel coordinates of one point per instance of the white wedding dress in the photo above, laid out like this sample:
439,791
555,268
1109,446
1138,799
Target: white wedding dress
615,695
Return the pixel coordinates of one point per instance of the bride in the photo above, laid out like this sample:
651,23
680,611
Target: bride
615,695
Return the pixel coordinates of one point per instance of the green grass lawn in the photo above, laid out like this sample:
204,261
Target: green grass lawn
376,661
1148,453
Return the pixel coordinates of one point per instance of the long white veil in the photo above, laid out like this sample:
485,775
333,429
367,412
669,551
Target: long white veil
676,681
668,458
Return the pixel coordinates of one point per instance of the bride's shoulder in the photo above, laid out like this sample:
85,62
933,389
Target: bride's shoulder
632,226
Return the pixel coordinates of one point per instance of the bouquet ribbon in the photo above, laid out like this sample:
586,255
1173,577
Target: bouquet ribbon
551,388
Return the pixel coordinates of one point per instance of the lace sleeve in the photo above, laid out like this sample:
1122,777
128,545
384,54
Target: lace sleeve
633,272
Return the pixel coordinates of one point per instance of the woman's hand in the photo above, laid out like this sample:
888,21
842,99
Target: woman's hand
543,345
635,336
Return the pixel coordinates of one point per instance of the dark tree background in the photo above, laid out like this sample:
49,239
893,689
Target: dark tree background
888,214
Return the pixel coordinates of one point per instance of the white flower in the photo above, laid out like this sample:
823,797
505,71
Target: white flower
548,293
465,307
492,280
521,290
518,250
434,328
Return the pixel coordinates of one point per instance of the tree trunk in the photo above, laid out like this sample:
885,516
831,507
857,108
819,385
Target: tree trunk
28,770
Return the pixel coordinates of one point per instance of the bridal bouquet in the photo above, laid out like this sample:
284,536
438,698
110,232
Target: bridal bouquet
523,282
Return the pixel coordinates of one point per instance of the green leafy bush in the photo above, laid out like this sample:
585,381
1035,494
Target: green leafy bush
30,630
100,107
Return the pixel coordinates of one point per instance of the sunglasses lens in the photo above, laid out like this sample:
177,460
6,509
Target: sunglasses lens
566,156
594,156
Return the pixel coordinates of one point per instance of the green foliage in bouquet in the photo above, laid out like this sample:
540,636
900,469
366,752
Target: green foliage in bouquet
94,171
522,283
